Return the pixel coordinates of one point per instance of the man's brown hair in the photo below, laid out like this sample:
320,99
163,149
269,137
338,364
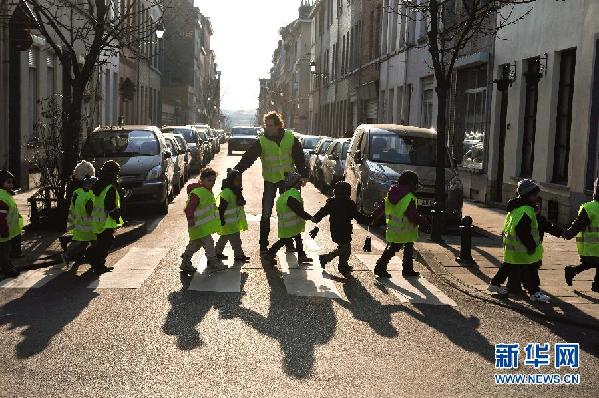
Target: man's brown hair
207,172
275,117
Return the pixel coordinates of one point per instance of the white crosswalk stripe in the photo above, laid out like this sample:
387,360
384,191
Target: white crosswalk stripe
228,281
408,290
306,280
132,270
32,279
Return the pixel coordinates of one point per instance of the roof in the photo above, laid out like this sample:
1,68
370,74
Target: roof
397,128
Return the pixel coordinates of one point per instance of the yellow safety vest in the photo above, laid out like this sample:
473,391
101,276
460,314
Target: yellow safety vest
399,228
235,220
13,218
206,220
276,159
79,223
587,241
289,223
514,251
101,219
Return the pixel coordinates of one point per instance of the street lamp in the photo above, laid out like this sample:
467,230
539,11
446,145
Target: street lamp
159,30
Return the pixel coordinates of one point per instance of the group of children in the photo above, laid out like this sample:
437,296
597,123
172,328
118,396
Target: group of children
207,215
523,233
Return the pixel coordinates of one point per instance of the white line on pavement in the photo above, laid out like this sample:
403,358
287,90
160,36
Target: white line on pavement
408,290
228,281
132,270
32,279
306,280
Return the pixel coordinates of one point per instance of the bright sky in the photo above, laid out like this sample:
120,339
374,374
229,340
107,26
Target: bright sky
246,33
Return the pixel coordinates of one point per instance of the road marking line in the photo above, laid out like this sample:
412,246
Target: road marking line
307,280
408,290
132,270
228,281
32,279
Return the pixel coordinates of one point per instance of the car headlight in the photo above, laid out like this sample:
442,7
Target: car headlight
154,173
455,184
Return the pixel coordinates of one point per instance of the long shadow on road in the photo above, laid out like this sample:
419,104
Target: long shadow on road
43,313
299,324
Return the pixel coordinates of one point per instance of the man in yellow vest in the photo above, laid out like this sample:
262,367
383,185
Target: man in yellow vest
202,221
11,222
522,245
586,229
280,153
403,222
106,215
291,219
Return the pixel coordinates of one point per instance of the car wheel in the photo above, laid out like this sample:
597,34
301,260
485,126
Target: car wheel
163,208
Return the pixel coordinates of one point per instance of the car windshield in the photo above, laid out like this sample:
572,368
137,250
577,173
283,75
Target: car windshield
203,136
310,142
323,148
396,149
244,131
120,143
181,142
189,135
344,150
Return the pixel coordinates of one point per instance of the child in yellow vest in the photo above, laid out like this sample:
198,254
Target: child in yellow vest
403,221
11,222
202,221
232,216
292,219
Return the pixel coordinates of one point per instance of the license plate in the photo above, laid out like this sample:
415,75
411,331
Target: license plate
426,202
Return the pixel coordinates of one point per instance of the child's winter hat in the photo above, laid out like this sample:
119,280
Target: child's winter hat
291,179
84,169
527,187
5,175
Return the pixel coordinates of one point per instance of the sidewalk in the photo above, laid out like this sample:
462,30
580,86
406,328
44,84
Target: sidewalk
576,303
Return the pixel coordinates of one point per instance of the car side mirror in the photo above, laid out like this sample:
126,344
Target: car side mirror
358,157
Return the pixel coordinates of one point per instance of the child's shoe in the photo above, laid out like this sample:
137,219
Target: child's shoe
323,260
187,267
242,259
302,259
345,269
540,297
497,289
216,265
381,272
595,287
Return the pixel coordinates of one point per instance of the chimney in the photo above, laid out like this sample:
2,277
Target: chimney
304,9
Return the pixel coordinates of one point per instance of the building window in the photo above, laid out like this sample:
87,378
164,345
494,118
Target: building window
426,113
530,116
33,91
391,106
50,77
563,121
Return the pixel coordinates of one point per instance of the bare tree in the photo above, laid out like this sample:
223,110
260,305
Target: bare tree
451,25
84,34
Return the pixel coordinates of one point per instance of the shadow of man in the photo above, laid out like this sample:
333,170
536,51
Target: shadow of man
299,324
43,313
188,309
364,307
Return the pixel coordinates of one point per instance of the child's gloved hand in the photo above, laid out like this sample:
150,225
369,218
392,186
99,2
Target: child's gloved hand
314,232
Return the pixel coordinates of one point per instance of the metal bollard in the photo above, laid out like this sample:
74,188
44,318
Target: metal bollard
465,257
437,224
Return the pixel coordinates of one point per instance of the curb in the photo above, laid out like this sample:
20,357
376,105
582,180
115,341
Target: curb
439,270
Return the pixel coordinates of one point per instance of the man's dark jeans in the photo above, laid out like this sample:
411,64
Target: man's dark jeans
268,202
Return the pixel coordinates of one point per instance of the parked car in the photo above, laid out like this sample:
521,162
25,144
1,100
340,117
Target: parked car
333,164
309,142
379,153
206,143
316,157
144,156
178,157
196,150
213,139
186,152
242,137
221,135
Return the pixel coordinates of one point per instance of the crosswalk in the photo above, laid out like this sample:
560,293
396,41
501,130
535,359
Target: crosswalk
306,280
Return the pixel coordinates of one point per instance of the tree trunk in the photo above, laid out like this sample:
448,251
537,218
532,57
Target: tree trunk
442,89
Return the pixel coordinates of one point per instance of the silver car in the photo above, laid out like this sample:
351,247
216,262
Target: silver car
380,152
309,142
316,157
333,163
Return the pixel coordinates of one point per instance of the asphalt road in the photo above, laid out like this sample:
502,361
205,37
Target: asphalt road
359,338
